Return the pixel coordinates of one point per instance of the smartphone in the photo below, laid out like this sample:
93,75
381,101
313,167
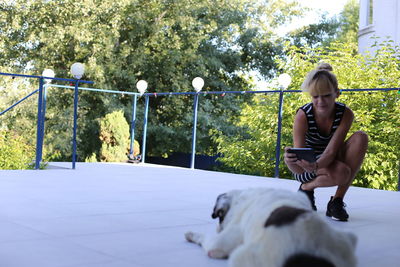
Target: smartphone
304,153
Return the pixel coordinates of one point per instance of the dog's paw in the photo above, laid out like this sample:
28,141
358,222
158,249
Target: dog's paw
190,236
217,254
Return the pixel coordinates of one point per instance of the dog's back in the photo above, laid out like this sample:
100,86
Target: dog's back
250,208
297,237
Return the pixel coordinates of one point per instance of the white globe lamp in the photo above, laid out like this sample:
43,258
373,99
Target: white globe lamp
77,70
198,84
48,73
141,86
284,80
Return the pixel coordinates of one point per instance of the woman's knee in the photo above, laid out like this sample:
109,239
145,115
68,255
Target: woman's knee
342,173
360,139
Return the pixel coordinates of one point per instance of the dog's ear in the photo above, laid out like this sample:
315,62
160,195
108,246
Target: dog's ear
284,215
221,207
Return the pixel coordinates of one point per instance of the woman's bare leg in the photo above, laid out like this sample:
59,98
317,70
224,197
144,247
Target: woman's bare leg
352,155
337,173
342,171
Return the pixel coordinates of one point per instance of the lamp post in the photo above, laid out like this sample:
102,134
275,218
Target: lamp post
284,81
46,73
142,87
77,70
197,84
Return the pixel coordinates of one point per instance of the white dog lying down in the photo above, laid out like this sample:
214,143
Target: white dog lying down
275,228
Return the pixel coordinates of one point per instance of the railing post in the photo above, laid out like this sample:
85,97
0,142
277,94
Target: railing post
75,123
133,122
278,140
43,119
195,107
39,137
398,182
146,111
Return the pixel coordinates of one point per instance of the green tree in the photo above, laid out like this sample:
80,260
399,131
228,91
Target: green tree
315,34
376,113
114,134
13,89
165,42
15,152
349,20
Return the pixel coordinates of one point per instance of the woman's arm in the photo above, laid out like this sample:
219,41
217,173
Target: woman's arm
299,140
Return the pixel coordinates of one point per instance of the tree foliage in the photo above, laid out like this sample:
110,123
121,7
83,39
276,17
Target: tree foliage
114,134
165,42
15,152
376,113
13,90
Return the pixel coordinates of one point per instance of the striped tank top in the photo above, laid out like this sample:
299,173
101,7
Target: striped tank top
315,139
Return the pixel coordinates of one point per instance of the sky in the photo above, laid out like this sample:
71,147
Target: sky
332,7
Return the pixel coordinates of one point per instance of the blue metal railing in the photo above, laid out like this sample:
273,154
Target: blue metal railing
42,111
146,109
19,101
278,139
133,124
133,118
195,108
280,111
146,112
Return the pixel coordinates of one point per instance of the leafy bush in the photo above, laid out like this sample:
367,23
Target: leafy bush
114,134
15,152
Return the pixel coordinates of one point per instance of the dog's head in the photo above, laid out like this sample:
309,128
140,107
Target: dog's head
221,208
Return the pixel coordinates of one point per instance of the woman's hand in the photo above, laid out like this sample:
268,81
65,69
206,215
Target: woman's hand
307,166
289,158
296,165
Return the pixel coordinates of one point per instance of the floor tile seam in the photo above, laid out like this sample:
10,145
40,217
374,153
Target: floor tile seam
351,222
58,236
66,241
380,212
139,254
48,236
5,242
131,231
371,223
190,246
373,252
53,235
175,226
105,263
18,219
101,252
66,236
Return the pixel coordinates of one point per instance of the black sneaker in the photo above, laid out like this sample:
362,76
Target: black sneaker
310,195
335,209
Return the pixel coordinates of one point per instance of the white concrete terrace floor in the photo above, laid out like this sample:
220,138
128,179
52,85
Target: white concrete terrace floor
124,215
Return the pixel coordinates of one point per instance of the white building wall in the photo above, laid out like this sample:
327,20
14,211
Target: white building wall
385,23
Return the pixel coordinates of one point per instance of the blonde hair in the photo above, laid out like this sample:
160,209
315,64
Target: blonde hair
320,81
